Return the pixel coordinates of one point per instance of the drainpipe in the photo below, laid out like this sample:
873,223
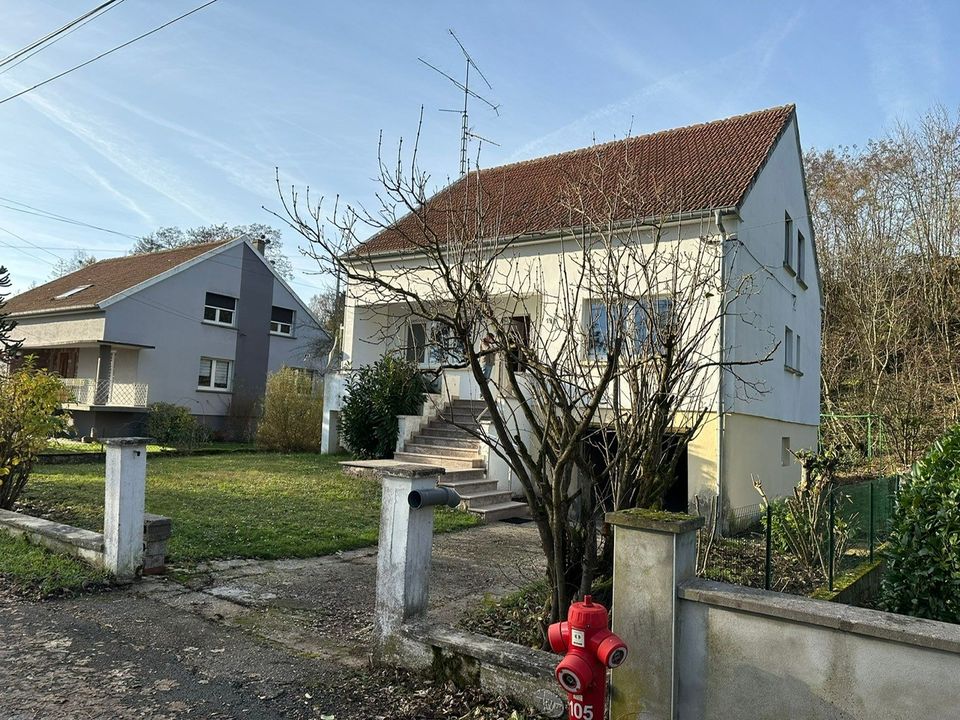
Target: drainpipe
721,422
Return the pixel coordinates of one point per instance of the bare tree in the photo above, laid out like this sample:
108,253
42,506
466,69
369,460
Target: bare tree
633,383
79,260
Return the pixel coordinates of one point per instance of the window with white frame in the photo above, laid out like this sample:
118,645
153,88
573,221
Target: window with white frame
215,374
598,329
416,347
789,349
651,324
220,309
648,323
788,241
796,352
281,321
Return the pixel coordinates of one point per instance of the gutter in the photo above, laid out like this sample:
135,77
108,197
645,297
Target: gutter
71,310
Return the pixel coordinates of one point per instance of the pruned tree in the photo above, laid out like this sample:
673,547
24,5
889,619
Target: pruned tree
166,238
634,383
9,346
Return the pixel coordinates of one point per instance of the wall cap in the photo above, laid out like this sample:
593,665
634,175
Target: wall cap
119,441
655,520
847,618
412,470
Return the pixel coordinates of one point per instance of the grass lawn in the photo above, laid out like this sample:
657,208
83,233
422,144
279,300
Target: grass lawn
34,571
260,505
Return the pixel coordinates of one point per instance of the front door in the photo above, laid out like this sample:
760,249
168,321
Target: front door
519,340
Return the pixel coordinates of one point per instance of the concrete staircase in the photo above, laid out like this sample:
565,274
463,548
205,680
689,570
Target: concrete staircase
458,453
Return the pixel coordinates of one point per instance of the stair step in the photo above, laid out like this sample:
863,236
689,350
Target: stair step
469,475
442,450
503,511
477,500
470,405
423,438
469,487
444,428
443,461
463,415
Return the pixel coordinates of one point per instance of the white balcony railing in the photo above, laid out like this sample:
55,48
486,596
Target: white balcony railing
87,391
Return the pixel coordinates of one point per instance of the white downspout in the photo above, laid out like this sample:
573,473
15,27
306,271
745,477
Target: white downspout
718,217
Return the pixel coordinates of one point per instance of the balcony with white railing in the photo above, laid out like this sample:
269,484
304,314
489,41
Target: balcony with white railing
104,393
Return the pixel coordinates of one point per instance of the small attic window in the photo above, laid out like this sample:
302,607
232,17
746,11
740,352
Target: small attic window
68,293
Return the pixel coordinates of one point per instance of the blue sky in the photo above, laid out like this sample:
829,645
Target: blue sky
186,127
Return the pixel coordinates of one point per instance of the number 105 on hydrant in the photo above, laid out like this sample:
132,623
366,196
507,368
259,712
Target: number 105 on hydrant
589,648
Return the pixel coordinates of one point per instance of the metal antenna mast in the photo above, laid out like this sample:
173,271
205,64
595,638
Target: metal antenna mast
465,131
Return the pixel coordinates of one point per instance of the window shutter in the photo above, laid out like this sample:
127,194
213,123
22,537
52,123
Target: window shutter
222,376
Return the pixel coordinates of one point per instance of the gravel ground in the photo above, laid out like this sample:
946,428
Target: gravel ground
278,639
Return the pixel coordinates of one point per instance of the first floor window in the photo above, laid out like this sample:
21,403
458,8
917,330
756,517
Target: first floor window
219,308
416,342
652,324
788,349
281,321
598,336
214,374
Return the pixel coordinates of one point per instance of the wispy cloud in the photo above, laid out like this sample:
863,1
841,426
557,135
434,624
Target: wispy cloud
128,201
691,91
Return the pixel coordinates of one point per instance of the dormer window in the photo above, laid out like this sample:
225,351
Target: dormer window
281,321
68,293
219,309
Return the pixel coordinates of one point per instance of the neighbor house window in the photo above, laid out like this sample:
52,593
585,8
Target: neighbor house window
281,321
598,332
796,352
788,242
801,255
220,309
214,374
416,348
785,453
307,379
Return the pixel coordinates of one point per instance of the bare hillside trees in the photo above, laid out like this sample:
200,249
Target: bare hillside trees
888,229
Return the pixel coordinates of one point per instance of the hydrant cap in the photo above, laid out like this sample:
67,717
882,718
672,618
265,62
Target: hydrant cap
588,615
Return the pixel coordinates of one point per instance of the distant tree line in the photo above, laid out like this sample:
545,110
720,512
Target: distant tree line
887,218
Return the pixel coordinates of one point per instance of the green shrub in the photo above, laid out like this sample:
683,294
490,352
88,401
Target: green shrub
923,557
171,424
376,394
29,404
292,414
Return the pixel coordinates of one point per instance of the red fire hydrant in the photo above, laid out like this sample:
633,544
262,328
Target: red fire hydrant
590,649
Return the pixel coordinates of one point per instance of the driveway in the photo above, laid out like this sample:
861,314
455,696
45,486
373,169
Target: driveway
245,639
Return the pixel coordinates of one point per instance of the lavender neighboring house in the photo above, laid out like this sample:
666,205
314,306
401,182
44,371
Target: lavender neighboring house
197,326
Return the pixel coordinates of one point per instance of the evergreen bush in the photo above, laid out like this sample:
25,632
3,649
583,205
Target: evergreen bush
174,425
376,394
923,556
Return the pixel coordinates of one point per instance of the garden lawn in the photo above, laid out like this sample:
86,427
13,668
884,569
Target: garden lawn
34,571
236,505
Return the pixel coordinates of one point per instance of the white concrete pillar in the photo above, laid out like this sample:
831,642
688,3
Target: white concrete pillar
123,506
403,557
653,552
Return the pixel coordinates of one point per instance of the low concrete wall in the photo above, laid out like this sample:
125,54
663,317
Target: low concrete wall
858,587
764,655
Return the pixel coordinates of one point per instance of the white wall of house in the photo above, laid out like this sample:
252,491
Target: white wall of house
60,329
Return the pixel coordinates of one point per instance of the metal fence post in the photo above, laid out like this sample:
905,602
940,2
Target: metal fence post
872,482
833,513
768,567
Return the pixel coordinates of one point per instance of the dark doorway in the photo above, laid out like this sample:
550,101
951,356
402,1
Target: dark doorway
675,499
519,342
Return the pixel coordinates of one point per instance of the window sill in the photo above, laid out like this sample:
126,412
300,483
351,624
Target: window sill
789,268
793,371
219,391
280,334
801,283
214,323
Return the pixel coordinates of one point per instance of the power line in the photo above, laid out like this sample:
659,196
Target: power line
61,218
23,239
108,52
52,37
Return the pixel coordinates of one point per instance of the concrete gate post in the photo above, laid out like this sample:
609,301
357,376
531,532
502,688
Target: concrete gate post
653,552
403,558
123,506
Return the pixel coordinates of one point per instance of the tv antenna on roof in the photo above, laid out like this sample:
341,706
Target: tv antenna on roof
466,131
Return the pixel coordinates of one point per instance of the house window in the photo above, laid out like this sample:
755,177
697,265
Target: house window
416,348
599,329
788,348
788,242
281,321
214,374
307,379
651,324
796,352
801,255
785,453
219,309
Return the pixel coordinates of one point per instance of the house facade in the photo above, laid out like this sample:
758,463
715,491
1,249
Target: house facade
199,326
732,191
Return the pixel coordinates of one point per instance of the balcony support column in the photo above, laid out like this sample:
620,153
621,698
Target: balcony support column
104,375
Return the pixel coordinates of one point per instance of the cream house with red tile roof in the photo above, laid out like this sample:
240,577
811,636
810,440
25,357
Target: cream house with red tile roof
737,183
193,326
